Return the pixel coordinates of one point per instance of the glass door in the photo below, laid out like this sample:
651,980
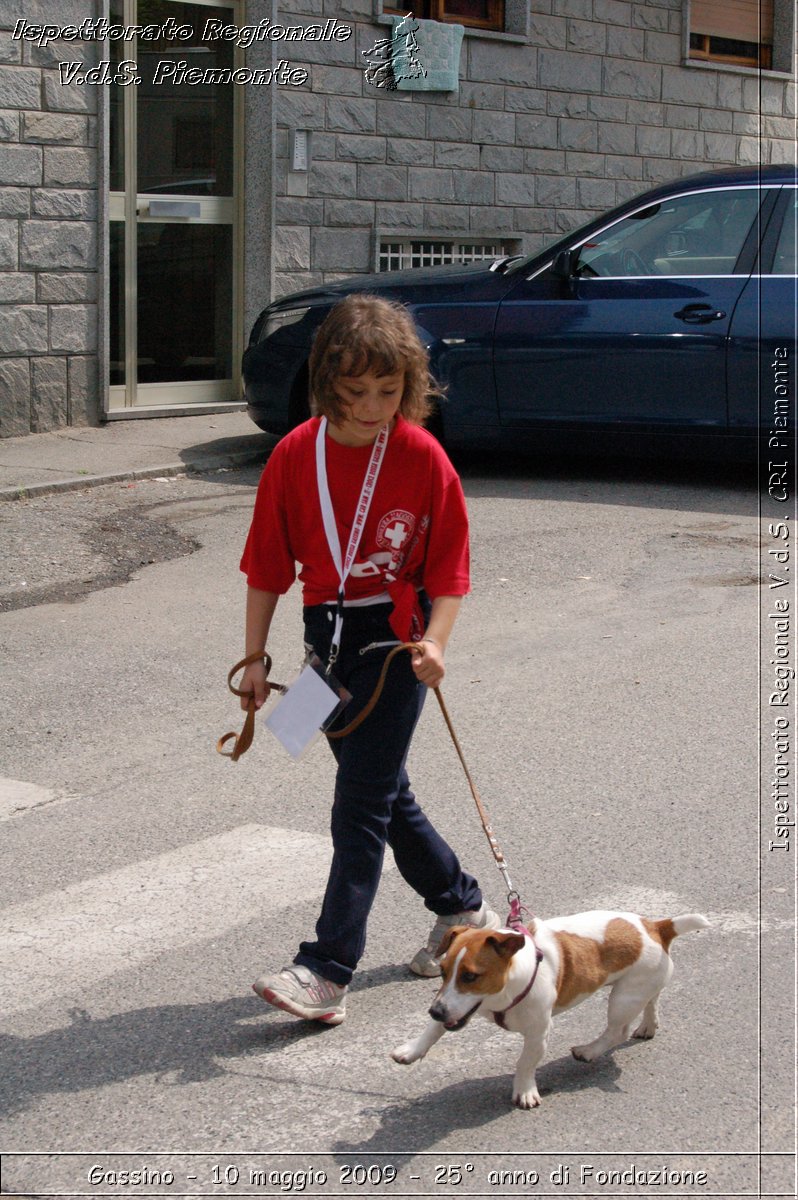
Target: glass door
174,231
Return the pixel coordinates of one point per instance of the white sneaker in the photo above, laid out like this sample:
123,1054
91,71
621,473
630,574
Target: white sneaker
299,991
425,961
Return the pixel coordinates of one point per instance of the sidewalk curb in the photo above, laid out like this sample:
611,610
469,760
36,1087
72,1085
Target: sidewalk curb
21,492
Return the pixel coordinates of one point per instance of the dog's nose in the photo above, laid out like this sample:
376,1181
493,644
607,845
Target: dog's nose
437,1011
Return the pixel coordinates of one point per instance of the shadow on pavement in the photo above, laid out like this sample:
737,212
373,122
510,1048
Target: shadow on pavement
682,486
229,452
188,1039
91,1053
427,1122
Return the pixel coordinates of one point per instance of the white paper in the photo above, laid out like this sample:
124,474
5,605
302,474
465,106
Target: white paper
298,716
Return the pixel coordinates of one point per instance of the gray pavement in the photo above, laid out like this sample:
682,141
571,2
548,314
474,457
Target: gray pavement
79,457
603,683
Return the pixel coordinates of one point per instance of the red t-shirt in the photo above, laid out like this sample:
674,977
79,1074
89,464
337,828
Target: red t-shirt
415,536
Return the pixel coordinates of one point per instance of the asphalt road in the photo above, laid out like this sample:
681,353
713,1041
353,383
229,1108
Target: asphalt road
603,681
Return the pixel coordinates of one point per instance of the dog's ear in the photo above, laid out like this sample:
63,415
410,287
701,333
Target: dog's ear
448,938
505,944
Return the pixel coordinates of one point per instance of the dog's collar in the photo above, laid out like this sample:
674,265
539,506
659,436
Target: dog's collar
499,1017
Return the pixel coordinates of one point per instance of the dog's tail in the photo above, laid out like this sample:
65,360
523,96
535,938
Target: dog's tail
689,923
670,927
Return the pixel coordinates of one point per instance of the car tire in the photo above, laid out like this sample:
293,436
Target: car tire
299,405
434,424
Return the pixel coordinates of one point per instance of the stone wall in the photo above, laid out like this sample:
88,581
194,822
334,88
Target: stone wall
589,108
48,229
585,104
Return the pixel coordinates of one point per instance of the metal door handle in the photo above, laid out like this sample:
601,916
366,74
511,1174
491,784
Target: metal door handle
699,314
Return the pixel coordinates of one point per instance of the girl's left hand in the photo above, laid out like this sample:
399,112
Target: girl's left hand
427,660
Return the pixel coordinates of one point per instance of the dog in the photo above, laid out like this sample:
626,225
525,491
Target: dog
521,978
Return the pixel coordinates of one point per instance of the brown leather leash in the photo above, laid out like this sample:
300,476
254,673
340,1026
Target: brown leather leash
243,741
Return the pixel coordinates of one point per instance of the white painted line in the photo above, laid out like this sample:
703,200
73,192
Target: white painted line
66,940
17,796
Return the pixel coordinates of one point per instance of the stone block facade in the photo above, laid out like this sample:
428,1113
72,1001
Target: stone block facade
49,256
581,105
587,104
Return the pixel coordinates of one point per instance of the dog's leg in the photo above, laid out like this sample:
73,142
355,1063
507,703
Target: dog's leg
624,1005
525,1090
650,1023
412,1051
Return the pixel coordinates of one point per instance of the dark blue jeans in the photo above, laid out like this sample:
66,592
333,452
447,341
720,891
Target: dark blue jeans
373,802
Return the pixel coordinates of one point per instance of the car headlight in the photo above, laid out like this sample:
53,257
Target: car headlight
282,320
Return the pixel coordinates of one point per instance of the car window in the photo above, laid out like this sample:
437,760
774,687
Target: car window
784,260
698,234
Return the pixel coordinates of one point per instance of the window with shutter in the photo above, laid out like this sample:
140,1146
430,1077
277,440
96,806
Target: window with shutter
476,14
732,31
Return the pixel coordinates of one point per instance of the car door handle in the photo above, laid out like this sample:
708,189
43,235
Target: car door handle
699,314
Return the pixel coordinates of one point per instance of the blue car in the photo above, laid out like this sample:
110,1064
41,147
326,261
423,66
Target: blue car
661,325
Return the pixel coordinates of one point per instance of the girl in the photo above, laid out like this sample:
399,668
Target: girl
368,504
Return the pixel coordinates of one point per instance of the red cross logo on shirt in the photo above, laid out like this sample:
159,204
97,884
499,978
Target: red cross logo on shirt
395,530
396,534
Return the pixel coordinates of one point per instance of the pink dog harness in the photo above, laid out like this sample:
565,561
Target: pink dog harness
514,922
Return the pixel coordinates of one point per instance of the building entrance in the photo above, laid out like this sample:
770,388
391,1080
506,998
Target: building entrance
174,246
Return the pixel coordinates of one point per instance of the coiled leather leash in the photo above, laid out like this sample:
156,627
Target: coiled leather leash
243,740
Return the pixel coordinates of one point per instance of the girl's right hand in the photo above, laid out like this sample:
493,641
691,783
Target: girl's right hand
253,682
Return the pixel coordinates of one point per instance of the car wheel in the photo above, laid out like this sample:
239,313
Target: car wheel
299,404
434,423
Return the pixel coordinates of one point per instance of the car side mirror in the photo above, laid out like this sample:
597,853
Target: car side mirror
565,263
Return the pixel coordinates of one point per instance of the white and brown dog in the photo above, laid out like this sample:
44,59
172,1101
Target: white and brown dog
521,980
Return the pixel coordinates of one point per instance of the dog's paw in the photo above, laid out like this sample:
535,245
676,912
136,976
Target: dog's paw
528,1099
407,1053
584,1053
645,1030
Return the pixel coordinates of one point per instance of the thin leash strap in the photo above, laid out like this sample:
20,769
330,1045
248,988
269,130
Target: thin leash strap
244,740
501,862
374,697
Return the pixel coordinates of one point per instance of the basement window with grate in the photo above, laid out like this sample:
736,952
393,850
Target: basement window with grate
399,254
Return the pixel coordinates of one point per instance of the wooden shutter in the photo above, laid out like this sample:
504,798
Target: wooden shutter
477,14
739,20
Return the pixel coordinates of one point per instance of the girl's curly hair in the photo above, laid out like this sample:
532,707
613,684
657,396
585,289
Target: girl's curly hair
366,333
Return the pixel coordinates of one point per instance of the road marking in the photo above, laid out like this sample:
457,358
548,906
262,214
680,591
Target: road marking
64,941
17,796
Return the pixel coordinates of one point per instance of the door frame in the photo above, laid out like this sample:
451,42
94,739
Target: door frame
128,400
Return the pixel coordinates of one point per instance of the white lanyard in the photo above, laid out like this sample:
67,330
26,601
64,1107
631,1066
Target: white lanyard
343,567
